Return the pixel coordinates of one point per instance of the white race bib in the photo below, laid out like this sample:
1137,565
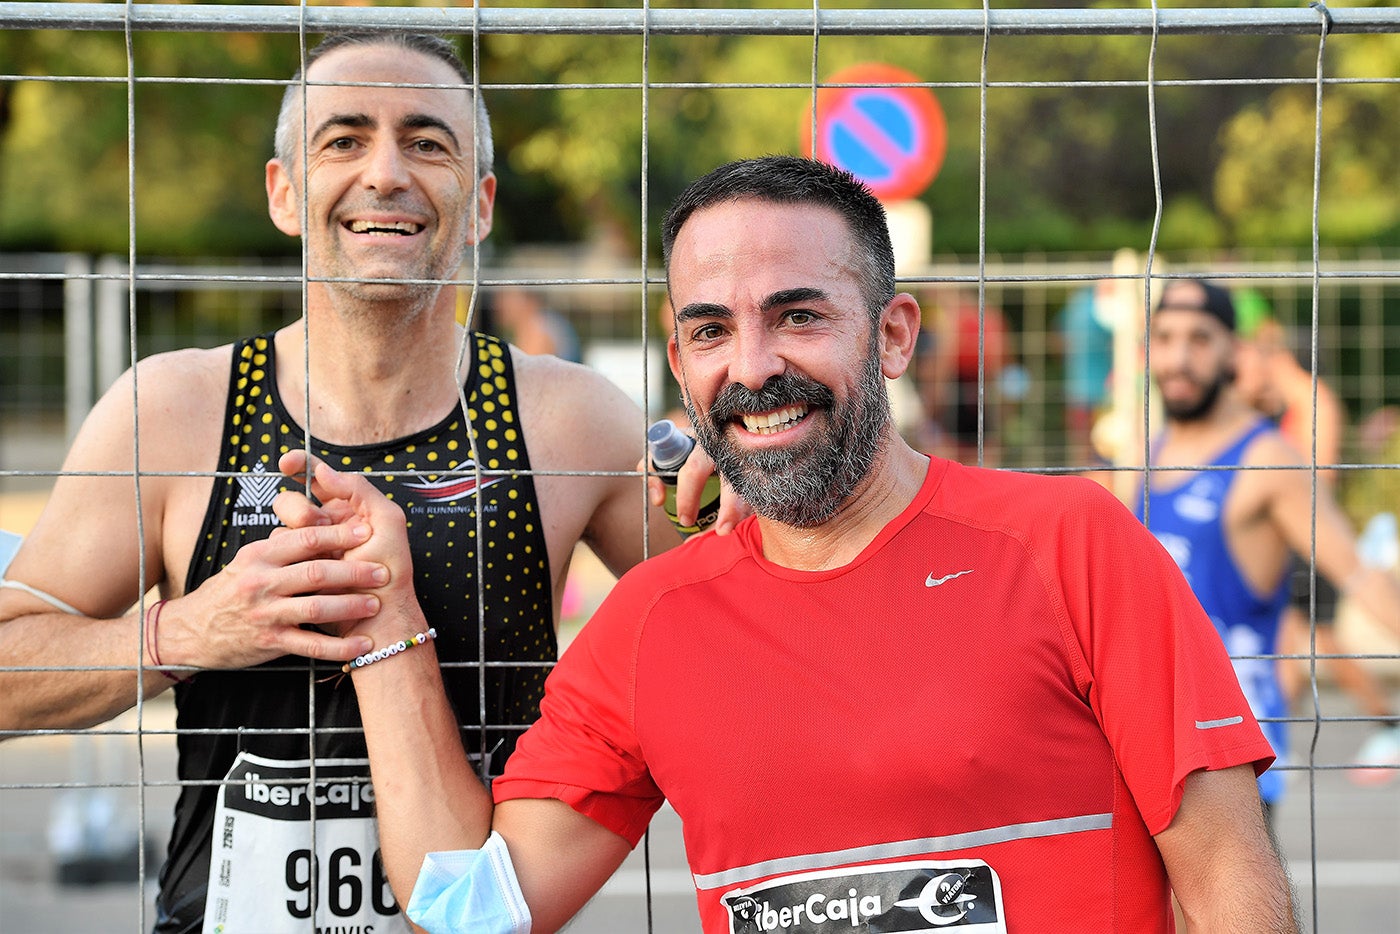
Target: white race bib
262,877
917,896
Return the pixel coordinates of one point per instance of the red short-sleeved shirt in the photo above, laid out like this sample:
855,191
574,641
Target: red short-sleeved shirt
979,722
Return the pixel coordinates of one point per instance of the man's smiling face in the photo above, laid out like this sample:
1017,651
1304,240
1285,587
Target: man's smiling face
389,172
775,349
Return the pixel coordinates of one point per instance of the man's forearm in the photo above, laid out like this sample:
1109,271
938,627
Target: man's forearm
1248,902
31,700
427,797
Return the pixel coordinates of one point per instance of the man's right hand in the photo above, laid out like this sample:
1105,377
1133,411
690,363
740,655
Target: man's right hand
260,606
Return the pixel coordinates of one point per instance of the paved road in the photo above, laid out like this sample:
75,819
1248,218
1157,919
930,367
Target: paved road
1357,832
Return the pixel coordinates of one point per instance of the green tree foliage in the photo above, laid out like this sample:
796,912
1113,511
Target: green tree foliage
1067,168
199,147
1265,176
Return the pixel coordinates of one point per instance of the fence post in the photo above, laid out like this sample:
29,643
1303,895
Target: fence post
77,342
113,350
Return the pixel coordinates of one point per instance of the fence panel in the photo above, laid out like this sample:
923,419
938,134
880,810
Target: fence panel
86,806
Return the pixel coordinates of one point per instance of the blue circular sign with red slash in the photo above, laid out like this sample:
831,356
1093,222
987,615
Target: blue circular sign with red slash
891,138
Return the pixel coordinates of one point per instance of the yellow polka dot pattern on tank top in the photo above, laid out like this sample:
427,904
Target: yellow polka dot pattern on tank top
435,481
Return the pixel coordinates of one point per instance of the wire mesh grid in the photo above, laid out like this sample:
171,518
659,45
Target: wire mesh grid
1340,304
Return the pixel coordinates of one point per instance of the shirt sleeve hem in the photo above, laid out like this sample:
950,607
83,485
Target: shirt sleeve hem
626,816
1260,755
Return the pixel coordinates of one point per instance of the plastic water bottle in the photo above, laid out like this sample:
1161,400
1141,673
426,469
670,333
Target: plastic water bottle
669,447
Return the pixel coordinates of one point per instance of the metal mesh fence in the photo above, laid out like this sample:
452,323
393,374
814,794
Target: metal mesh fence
71,323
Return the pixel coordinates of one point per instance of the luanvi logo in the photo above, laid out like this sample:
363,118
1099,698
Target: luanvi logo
892,898
256,491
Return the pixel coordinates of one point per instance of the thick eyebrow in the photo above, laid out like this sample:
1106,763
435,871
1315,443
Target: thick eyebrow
703,310
337,121
359,121
429,122
794,296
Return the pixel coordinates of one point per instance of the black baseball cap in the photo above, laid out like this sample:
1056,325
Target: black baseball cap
1217,302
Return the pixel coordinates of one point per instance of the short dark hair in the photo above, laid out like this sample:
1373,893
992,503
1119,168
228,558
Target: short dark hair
289,124
793,180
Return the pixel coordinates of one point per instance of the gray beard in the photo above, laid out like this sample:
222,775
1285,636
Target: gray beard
805,484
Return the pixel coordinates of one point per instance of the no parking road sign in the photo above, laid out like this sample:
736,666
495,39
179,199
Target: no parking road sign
891,138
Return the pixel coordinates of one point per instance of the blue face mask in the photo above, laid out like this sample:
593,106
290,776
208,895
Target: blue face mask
470,890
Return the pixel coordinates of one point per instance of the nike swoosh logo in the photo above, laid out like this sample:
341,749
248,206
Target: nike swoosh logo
1217,724
932,581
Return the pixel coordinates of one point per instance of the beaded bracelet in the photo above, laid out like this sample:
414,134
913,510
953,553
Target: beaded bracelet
378,655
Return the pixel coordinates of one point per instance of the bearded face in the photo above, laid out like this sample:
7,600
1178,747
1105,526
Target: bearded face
1197,406
805,483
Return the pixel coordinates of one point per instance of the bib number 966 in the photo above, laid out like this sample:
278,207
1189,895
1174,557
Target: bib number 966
341,886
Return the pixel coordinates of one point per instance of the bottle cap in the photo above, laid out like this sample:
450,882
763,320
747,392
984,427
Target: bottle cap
669,445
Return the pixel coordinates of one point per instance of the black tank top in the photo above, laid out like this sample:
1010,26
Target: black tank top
264,711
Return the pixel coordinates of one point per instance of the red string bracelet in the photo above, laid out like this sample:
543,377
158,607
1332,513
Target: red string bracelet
151,639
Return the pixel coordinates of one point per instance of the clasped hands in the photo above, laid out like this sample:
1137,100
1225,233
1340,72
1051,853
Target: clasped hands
334,583
356,527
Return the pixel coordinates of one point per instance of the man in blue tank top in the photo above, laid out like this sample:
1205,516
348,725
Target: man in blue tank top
1232,527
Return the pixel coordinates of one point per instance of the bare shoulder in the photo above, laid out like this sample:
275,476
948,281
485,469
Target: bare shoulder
83,546
574,417
194,376
178,400
1271,448
1256,492
186,378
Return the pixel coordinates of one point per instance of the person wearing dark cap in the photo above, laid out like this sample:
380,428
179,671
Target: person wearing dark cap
1234,531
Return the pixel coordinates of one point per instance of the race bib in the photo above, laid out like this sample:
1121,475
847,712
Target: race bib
263,876
892,898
